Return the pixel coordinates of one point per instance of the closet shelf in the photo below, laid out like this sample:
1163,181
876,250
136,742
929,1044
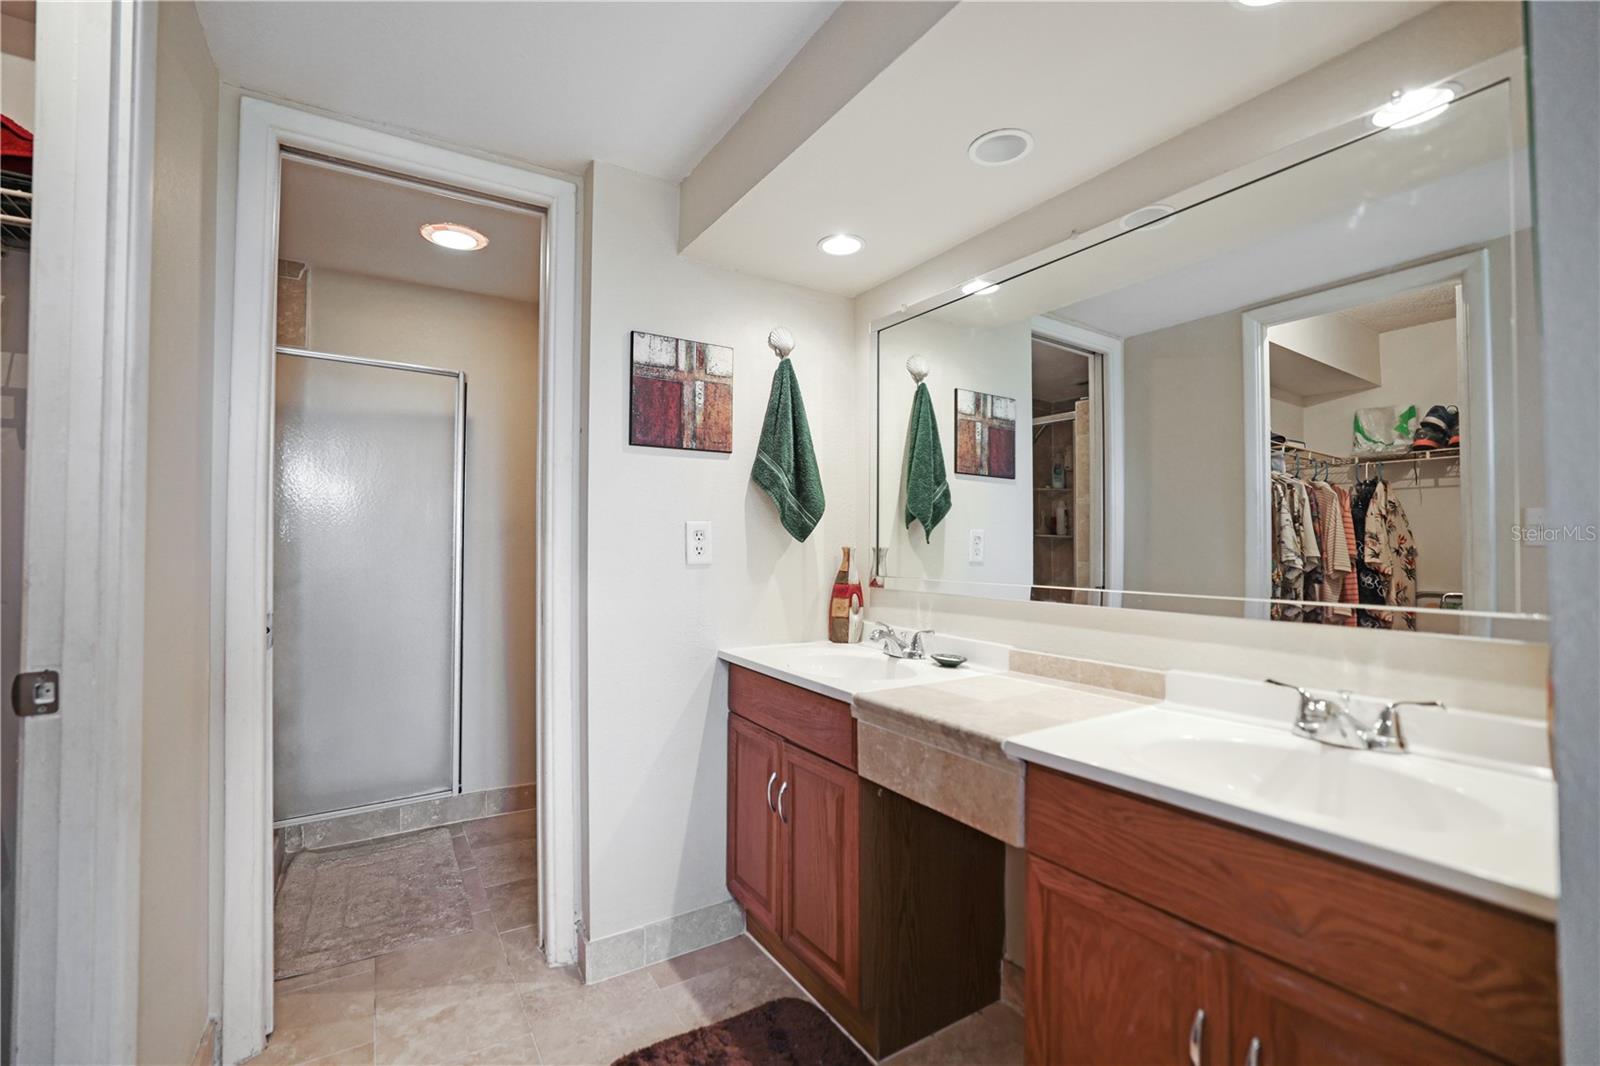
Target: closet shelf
1330,459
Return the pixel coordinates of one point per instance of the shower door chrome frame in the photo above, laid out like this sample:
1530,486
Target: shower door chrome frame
457,535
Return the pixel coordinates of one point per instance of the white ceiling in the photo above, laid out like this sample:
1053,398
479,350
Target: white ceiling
1096,83
648,86
1406,310
340,220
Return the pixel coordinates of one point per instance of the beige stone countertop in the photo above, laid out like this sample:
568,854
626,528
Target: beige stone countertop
971,716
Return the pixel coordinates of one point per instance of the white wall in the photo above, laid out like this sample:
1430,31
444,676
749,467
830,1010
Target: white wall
1183,409
654,761
174,955
995,360
1333,339
496,342
1418,365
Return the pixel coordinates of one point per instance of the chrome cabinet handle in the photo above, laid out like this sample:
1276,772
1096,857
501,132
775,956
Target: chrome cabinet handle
770,780
1197,1031
781,791
1253,1056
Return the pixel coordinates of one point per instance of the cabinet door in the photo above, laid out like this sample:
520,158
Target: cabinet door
820,812
753,772
1282,1017
1112,980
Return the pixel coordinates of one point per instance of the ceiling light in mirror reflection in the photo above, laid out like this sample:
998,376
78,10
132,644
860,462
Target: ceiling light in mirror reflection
841,244
454,236
1149,217
1414,107
999,147
980,287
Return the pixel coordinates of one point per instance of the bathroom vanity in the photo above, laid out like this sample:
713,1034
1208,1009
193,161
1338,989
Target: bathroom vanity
886,911
1202,883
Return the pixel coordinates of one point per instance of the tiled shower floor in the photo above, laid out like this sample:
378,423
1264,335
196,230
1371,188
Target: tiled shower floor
486,996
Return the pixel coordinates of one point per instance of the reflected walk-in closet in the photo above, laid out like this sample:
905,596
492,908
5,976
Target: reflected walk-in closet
403,569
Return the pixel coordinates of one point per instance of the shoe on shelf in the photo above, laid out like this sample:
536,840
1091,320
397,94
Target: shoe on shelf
1439,428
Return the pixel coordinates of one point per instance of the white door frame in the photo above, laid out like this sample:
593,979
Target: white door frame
76,997
1489,501
264,129
1112,490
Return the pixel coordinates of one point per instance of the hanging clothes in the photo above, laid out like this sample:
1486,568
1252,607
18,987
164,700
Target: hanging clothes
1337,557
1296,555
1390,552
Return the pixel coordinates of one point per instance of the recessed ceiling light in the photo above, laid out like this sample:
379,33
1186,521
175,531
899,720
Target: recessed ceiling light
1255,3
999,147
1150,217
1413,107
979,287
841,244
454,236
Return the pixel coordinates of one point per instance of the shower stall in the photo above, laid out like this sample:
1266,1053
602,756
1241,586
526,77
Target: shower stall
368,494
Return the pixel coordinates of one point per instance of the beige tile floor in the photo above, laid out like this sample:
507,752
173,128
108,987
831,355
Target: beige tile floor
486,996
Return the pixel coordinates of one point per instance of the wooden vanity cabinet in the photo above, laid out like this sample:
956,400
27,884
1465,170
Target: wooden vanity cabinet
1141,914
1111,980
889,913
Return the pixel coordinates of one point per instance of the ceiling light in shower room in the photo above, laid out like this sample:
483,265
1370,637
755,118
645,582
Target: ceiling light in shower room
454,236
1413,107
841,244
980,287
999,147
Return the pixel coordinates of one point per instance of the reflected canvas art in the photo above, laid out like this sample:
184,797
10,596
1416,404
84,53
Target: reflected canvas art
986,434
682,394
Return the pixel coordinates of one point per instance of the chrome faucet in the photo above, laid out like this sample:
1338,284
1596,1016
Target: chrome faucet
1330,722
897,646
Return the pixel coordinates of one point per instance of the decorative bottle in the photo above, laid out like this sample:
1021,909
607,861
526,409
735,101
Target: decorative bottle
846,593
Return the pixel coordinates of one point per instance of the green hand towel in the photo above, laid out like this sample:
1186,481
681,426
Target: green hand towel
786,465
927,491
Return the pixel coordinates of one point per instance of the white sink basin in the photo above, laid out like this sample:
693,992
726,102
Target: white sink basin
1482,830
840,671
1334,783
852,666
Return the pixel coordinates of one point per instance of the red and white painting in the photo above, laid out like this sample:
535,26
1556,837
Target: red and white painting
986,434
682,394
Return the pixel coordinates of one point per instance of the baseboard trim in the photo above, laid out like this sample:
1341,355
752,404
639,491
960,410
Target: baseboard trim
205,1053
354,828
1011,984
647,945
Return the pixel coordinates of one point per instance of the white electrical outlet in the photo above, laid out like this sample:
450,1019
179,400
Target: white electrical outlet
697,543
975,546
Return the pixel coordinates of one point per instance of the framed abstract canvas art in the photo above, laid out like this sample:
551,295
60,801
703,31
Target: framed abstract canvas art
986,434
682,394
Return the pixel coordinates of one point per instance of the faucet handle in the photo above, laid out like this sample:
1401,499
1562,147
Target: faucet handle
1386,733
917,650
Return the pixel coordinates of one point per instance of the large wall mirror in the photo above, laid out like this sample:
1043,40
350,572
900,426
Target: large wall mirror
1311,398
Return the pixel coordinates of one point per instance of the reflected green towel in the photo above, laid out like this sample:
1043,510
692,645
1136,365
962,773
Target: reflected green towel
786,465
927,491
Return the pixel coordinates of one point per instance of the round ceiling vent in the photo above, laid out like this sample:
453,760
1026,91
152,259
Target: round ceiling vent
999,147
1148,217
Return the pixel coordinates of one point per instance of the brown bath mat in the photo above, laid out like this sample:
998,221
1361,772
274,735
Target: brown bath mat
785,1032
346,904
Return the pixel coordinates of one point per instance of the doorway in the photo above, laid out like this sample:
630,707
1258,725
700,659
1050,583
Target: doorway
402,486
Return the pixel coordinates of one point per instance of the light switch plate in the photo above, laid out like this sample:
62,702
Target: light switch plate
697,543
975,546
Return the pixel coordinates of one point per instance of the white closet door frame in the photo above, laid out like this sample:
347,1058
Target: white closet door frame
1489,501
265,129
75,994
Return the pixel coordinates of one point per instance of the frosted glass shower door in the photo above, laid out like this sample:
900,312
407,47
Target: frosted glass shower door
367,485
